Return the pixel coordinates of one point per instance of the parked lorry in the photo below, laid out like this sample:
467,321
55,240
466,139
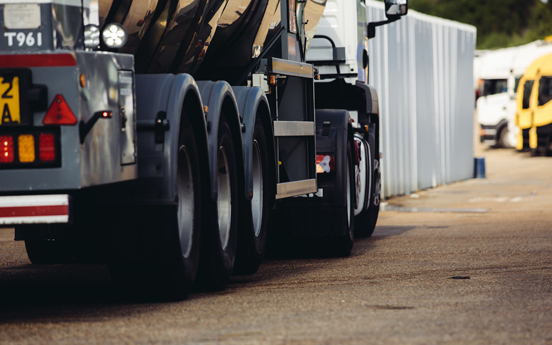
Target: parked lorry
171,139
534,107
499,75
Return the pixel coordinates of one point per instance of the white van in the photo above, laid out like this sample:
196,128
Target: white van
499,73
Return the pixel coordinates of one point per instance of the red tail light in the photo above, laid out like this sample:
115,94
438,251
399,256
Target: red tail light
47,147
6,149
29,149
325,164
59,113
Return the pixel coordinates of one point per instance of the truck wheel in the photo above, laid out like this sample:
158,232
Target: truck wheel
218,250
365,223
49,252
186,261
341,246
502,140
168,236
345,244
252,236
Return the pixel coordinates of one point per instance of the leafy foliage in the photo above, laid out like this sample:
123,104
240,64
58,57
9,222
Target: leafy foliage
500,23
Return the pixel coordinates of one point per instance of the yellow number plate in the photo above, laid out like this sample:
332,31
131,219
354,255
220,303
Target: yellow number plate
9,101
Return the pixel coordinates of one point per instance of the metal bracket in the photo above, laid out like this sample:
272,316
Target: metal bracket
86,127
373,25
160,126
326,128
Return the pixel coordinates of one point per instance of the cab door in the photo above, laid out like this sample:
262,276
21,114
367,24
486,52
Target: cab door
524,117
543,109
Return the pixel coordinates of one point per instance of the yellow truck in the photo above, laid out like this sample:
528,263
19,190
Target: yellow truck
534,107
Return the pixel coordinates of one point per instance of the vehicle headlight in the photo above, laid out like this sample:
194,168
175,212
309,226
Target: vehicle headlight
91,36
114,35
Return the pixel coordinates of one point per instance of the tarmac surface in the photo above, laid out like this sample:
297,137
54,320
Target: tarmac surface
466,263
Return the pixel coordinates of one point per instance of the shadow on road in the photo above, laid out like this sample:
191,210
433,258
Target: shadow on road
65,292
57,293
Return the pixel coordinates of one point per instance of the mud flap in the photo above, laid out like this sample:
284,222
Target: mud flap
323,213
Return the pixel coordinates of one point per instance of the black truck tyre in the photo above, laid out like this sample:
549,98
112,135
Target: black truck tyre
171,252
49,252
252,235
365,223
344,244
219,240
502,138
341,246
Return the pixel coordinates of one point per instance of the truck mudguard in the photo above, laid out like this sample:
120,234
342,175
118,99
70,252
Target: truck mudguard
161,100
323,213
252,101
218,96
372,103
339,94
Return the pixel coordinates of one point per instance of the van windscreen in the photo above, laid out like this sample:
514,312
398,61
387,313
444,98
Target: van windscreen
516,83
545,90
527,88
494,86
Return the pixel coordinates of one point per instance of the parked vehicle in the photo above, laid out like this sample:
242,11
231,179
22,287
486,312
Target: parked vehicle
171,139
499,74
534,107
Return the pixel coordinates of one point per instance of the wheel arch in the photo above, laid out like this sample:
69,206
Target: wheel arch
157,96
359,97
184,96
219,97
252,101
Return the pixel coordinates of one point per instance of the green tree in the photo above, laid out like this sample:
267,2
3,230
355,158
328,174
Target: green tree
499,23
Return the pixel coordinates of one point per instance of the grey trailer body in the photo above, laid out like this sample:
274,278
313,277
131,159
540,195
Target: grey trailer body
108,153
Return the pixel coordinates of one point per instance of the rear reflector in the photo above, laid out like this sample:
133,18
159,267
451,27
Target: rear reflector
59,113
325,164
6,149
34,209
37,60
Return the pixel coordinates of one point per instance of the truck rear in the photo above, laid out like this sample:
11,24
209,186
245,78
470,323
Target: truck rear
69,113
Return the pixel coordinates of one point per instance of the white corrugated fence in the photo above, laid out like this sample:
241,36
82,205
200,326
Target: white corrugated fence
422,67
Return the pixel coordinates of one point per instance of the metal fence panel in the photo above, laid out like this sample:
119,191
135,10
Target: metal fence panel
422,67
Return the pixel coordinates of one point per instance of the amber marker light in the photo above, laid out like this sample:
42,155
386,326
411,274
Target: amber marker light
82,80
26,145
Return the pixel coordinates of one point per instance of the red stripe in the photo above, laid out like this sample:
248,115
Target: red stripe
37,60
34,211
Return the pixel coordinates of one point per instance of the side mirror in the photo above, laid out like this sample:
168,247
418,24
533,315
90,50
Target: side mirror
395,8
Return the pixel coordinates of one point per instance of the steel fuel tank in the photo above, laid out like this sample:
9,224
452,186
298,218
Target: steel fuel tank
210,39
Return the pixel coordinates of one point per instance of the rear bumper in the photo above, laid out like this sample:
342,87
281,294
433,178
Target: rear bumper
35,209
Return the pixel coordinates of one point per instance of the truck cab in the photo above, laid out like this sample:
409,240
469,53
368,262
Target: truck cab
534,107
500,72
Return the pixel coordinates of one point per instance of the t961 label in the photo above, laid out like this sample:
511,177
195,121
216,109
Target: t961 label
20,39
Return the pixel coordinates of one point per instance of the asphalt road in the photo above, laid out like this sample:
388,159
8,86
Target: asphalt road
467,263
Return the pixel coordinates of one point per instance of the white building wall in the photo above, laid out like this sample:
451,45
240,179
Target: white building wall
422,67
